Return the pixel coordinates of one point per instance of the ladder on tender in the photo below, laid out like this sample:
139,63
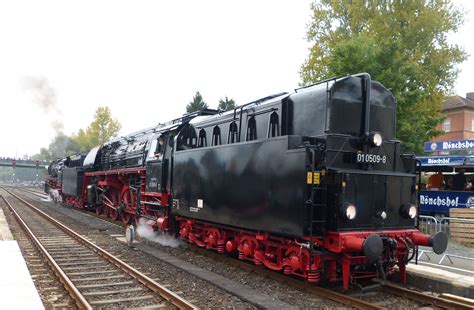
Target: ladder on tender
317,185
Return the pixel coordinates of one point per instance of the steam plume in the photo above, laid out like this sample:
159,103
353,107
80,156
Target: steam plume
146,231
58,126
43,94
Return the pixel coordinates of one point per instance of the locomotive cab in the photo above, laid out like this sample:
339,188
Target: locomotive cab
157,163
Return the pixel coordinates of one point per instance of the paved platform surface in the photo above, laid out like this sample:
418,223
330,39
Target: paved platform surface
5,233
17,290
433,278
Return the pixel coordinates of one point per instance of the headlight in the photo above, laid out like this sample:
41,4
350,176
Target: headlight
412,211
348,211
409,210
375,139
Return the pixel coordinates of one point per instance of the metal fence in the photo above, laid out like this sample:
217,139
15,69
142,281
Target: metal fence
460,252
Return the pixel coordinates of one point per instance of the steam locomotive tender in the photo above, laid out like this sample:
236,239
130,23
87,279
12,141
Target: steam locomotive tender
312,183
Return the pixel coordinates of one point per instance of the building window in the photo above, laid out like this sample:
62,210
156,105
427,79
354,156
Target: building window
202,138
274,126
251,129
216,136
233,133
447,125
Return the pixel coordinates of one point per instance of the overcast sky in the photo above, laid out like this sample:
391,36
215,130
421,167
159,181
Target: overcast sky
146,59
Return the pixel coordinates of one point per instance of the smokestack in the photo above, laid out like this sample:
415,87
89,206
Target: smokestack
470,96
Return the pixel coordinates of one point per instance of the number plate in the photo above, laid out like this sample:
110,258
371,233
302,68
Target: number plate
370,158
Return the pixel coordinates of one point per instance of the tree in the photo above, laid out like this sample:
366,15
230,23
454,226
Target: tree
80,142
102,128
197,104
226,104
402,44
44,154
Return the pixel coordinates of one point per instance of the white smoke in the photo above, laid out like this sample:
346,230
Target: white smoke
54,194
42,93
145,230
44,96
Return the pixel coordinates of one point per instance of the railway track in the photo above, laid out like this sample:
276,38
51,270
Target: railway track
36,193
93,277
385,291
441,301
361,301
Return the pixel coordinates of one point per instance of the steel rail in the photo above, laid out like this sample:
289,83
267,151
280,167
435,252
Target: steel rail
34,193
417,296
462,300
117,223
316,290
148,282
443,300
80,300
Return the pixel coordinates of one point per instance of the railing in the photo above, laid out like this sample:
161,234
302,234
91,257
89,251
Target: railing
460,240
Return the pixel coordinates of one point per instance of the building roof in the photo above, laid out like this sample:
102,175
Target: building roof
457,102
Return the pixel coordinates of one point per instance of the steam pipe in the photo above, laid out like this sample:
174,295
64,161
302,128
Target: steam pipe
368,83
412,245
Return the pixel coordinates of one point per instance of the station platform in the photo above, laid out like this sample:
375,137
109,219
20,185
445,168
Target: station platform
442,281
17,290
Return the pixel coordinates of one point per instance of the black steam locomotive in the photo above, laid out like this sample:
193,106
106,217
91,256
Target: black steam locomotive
312,183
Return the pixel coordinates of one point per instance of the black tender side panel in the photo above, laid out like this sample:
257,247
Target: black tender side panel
258,185
72,181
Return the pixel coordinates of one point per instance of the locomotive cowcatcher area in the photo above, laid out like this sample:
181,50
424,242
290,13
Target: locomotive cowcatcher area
310,184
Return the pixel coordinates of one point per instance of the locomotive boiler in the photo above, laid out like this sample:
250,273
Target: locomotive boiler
312,183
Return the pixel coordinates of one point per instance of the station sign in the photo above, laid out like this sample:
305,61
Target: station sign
442,160
454,145
439,202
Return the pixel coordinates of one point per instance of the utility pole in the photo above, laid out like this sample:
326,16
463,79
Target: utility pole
13,175
37,166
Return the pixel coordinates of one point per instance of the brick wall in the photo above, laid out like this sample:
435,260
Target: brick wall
461,124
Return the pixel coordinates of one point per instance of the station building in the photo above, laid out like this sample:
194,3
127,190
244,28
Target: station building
459,121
